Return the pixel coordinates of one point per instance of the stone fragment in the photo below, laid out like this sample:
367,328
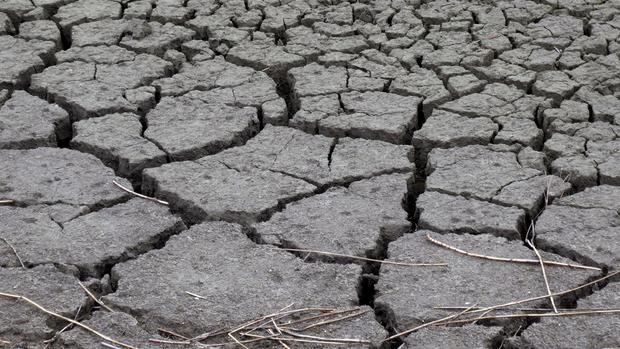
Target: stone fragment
41,30
353,221
598,331
461,85
115,139
6,26
454,214
314,79
422,83
206,128
466,280
583,227
269,170
555,85
96,54
446,130
474,171
517,130
20,58
29,122
265,57
90,242
160,38
577,169
239,280
90,89
21,324
53,176
497,100
83,11
501,71
373,115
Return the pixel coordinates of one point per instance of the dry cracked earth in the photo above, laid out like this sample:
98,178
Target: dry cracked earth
360,128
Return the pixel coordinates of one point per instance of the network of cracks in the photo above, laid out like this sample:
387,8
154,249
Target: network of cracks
367,174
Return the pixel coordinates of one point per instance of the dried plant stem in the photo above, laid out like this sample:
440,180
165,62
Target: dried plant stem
542,268
6,202
366,259
528,315
406,332
91,295
14,251
510,260
326,322
139,195
77,323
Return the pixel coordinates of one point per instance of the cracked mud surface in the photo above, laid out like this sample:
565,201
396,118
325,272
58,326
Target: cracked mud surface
374,129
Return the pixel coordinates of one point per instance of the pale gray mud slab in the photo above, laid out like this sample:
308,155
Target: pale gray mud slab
206,128
19,59
486,174
408,295
584,227
90,242
30,122
116,140
90,89
58,176
238,279
570,332
456,214
356,220
21,323
269,169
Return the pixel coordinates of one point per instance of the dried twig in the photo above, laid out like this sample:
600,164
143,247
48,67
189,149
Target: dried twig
14,251
366,259
528,315
406,332
529,241
109,345
6,202
138,194
95,298
2,341
168,332
195,295
510,260
47,341
77,323
317,338
532,299
325,322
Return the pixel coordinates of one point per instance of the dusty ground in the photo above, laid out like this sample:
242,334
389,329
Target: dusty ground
392,130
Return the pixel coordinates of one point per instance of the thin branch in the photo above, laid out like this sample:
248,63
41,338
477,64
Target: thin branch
168,332
14,251
64,328
542,266
317,338
366,259
6,202
527,315
138,194
77,323
510,260
95,298
109,345
406,332
326,322
195,295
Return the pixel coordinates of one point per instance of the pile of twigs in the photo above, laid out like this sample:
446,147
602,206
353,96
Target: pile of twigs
283,327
